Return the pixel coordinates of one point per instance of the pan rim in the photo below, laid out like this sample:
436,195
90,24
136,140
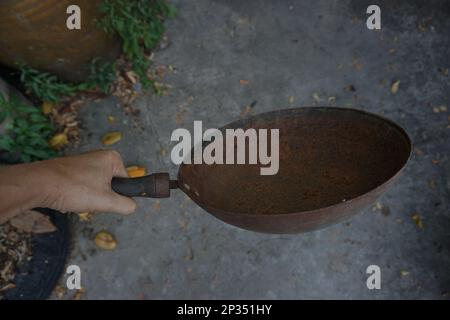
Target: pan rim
403,131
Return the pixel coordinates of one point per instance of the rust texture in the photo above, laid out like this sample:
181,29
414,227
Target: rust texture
333,162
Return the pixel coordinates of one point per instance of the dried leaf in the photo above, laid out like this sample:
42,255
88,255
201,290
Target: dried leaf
183,221
7,287
350,88
385,211
377,206
78,294
291,99
172,69
84,216
189,255
58,141
442,108
417,220
180,115
316,97
33,221
332,99
60,291
160,70
418,151
425,24
247,110
443,71
111,138
422,28
105,240
356,64
404,273
161,88
136,171
111,119
394,86
131,76
15,249
432,184
157,205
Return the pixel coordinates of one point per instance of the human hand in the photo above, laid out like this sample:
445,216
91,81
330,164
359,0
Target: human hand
80,183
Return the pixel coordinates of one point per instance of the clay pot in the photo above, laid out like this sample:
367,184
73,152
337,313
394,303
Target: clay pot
35,32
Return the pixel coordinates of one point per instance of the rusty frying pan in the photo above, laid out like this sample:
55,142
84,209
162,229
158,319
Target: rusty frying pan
332,163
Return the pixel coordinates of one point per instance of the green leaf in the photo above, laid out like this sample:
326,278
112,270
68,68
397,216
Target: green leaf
3,116
5,143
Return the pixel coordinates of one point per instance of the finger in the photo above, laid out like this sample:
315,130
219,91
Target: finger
120,171
114,202
118,166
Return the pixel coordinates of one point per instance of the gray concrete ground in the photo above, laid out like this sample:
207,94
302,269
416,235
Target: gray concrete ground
293,53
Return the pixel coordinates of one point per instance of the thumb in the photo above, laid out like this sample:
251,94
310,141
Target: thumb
119,204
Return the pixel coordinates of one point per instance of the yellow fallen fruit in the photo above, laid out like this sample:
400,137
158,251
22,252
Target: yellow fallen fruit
47,107
111,138
136,171
104,240
58,141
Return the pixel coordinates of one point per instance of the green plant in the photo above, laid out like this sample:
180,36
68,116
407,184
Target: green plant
48,87
101,75
140,25
27,131
45,86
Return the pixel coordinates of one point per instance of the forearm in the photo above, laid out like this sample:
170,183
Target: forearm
21,188
77,184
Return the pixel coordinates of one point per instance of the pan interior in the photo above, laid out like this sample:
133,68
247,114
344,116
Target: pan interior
327,156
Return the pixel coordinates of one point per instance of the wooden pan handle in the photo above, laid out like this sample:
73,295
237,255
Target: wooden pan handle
156,185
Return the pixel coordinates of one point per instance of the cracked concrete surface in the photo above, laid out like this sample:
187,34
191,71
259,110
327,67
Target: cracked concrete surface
293,53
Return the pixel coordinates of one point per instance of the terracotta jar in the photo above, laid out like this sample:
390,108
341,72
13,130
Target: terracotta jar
35,32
